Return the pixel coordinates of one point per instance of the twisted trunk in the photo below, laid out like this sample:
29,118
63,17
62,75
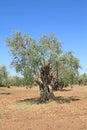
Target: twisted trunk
46,91
44,82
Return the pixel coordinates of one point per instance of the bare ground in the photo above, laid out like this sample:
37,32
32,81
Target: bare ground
19,109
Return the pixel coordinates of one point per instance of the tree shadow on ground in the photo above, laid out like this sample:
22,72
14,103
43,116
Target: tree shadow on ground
30,101
4,93
61,99
64,90
58,99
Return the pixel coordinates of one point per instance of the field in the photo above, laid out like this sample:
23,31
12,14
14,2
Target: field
20,109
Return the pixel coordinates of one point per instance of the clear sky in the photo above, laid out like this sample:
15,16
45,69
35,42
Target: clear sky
66,18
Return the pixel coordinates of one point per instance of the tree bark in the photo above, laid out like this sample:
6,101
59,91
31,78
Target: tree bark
46,91
44,82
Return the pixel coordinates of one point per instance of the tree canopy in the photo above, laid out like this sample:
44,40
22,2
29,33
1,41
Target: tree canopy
29,55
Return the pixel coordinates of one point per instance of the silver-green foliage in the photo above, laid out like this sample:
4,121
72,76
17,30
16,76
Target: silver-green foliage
30,55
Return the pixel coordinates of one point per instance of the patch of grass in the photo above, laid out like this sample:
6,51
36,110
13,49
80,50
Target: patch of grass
1,116
66,100
61,99
31,101
26,103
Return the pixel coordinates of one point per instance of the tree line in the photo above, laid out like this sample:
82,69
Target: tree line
7,80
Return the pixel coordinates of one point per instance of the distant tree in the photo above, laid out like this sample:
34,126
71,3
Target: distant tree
3,76
82,79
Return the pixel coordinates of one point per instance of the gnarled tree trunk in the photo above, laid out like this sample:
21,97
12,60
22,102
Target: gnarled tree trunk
45,85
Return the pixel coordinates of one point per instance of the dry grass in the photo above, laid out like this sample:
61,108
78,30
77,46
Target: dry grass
20,110
1,116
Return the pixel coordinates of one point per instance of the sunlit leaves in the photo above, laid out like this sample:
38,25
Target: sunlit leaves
30,55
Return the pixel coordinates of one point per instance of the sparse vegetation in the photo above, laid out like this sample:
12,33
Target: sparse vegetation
19,109
1,116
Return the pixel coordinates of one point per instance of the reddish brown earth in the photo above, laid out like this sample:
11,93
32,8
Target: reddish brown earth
19,109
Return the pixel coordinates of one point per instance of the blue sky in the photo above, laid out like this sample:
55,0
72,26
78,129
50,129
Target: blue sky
66,18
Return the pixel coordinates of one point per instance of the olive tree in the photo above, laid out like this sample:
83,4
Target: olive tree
29,57
38,61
